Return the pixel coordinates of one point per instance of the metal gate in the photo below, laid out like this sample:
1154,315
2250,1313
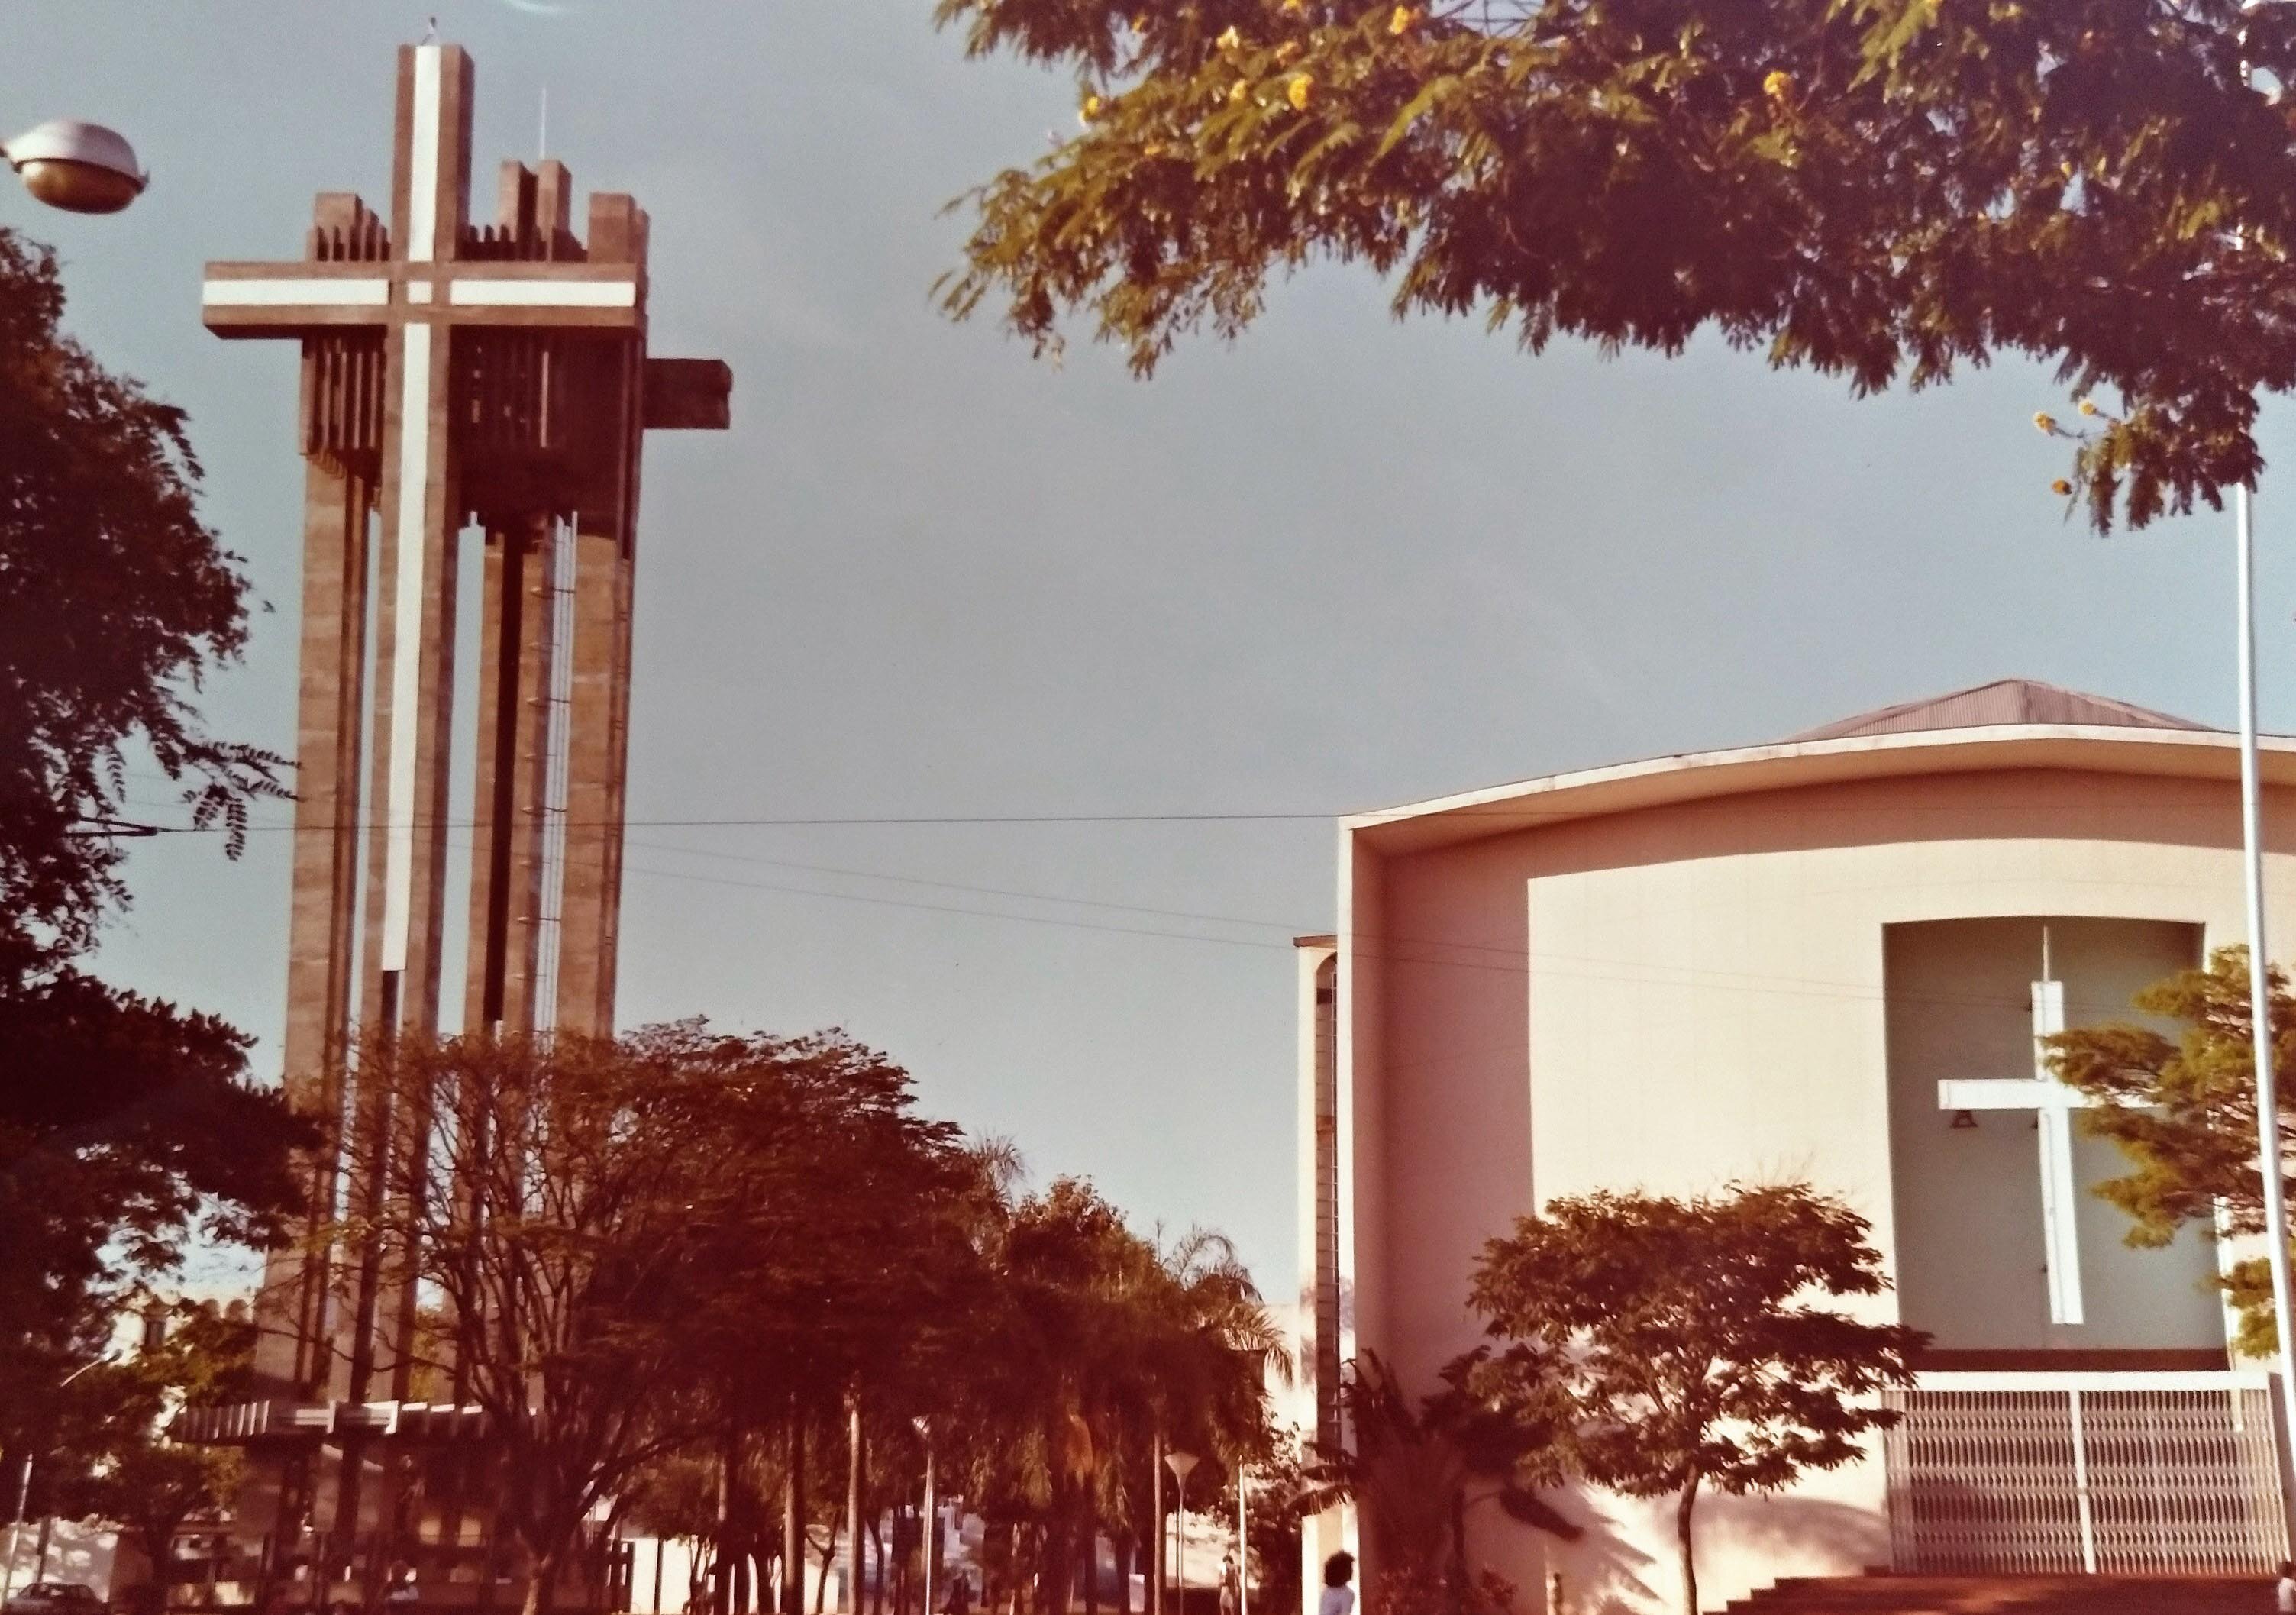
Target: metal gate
2067,1474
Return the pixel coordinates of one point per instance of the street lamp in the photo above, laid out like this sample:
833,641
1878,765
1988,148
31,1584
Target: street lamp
81,168
1181,1463
1242,1546
932,1509
24,1487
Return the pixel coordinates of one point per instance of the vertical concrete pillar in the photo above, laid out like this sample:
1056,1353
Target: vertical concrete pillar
590,876
538,647
290,1309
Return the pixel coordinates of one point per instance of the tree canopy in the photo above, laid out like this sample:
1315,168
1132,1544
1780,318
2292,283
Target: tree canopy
124,1466
1661,1346
684,1273
123,1124
116,600
1881,190
124,1121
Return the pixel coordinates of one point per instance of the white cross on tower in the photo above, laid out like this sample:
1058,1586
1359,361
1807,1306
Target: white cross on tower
417,293
2053,1103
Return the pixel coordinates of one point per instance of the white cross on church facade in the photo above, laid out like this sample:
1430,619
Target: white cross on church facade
2053,1103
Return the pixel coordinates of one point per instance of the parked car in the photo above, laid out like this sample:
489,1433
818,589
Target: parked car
56,1598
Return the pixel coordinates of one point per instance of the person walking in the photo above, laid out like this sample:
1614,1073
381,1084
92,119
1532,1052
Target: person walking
1339,1598
1227,1585
2284,1596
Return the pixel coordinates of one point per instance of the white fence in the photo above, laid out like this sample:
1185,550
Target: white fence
2067,1474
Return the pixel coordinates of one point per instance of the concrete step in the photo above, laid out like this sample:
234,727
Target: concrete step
1891,1594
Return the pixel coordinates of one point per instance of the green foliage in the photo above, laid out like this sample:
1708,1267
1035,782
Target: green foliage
671,1267
1659,1346
124,1122
124,1468
1090,1345
115,600
1280,1496
2184,1112
1416,1470
1880,190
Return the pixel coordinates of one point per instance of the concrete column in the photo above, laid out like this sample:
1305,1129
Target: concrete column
597,722
590,877
501,601
290,1309
530,740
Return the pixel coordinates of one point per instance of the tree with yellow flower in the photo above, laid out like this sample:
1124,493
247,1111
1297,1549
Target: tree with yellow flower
1881,190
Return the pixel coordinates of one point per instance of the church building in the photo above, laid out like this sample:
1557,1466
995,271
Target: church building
1823,959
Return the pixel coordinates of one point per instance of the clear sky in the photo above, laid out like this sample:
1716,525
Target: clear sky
1345,564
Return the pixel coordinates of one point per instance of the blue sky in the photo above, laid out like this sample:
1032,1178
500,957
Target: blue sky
1346,563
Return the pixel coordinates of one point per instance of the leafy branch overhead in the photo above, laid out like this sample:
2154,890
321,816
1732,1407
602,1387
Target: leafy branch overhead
1882,190
116,601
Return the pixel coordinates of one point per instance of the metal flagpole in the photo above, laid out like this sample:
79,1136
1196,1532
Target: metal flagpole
2260,988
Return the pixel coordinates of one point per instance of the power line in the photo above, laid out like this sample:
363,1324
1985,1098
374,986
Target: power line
1504,961
1413,952
1517,813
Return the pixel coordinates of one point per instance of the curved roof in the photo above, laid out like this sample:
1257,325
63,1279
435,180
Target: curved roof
2011,723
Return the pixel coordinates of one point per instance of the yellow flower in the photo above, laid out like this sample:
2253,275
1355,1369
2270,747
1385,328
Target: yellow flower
1287,50
2062,488
1777,84
1231,40
1295,6
1238,90
1302,90
2088,406
1403,18
2044,421
1090,109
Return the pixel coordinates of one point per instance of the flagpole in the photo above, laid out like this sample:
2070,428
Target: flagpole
2259,986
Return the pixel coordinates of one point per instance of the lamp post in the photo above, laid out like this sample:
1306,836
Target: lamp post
1242,1547
24,1489
931,1543
1181,1463
81,168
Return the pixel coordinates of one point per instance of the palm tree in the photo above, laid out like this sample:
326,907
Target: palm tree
1415,1472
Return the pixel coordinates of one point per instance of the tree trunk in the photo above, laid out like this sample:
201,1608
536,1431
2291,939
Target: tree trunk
877,1558
1458,1565
721,1577
792,1600
1121,1545
851,1602
828,1560
538,1577
1688,1501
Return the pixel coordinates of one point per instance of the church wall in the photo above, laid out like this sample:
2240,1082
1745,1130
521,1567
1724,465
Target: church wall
1679,997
